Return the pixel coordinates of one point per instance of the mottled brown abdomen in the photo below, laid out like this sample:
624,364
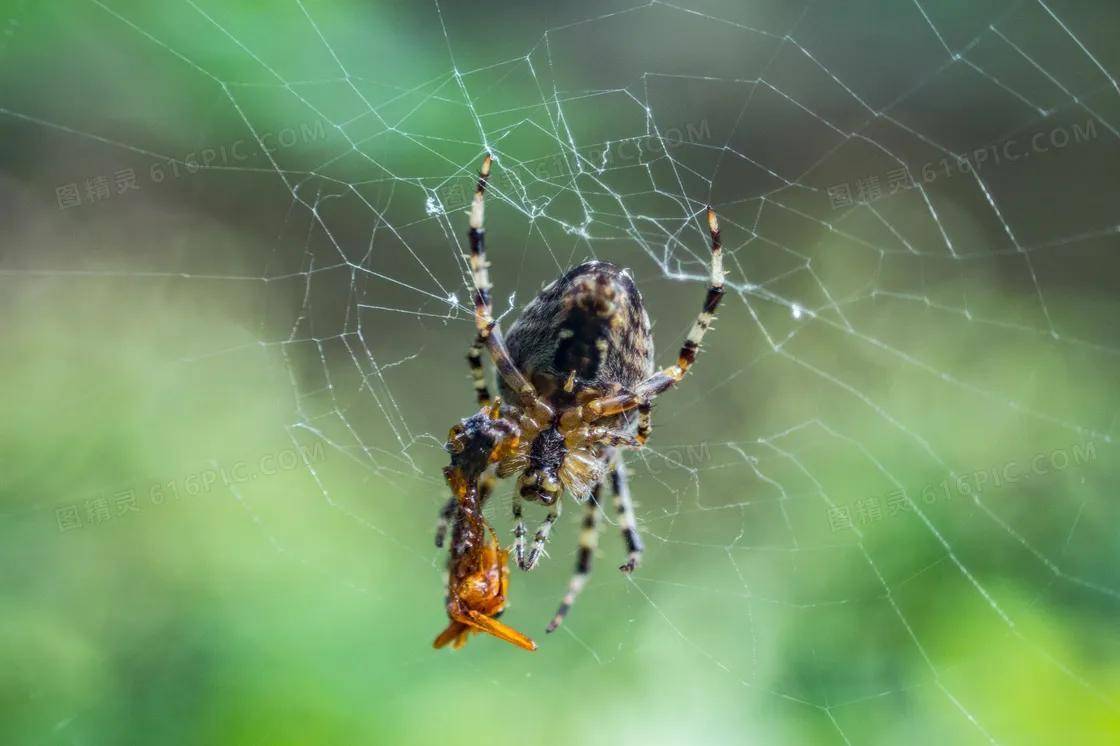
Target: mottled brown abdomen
591,322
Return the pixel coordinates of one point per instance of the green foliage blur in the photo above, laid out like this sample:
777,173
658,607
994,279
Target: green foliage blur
885,521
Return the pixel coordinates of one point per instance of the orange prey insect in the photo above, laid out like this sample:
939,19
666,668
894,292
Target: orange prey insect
478,578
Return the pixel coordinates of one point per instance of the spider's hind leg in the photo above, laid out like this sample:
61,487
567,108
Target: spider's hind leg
478,375
626,521
588,541
489,332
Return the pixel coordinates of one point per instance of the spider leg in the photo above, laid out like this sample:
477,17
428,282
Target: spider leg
613,438
474,360
663,380
478,376
625,508
588,541
645,422
541,537
518,531
489,331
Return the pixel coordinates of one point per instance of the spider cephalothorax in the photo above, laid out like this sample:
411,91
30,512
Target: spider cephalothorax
542,479
577,367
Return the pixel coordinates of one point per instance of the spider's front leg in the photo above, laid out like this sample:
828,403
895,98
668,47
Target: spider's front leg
478,375
644,393
482,393
489,331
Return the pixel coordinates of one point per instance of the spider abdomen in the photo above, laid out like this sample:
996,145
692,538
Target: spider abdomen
590,323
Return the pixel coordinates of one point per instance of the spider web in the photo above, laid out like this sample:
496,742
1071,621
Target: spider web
910,307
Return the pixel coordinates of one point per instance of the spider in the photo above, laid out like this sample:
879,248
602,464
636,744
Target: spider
577,367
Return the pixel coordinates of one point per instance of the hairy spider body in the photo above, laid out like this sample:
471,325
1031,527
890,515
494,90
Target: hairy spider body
577,367
591,322
585,335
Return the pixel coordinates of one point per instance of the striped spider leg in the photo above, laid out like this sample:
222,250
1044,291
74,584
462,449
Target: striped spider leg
489,331
642,396
488,337
589,536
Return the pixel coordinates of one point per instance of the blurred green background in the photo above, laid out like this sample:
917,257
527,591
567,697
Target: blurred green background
881,509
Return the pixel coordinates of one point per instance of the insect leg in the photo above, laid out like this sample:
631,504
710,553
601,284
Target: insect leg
498,629
456,634
588,541
446,513
486,482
